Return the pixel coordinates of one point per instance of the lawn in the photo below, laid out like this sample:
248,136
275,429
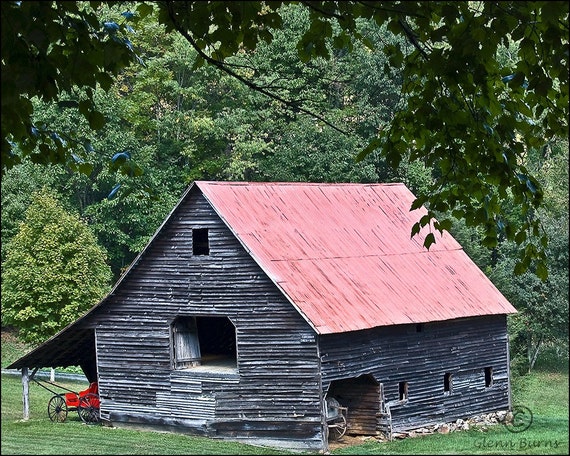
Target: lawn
544,392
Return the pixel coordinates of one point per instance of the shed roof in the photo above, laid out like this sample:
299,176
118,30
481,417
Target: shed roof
344,257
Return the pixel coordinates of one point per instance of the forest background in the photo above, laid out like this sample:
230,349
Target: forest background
170,122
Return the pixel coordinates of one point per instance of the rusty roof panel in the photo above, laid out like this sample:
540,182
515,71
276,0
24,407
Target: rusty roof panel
343,255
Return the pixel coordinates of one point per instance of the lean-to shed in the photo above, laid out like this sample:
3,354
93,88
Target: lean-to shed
254,302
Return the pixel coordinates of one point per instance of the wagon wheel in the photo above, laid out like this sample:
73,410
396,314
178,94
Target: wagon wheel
88,408
338,428
57,409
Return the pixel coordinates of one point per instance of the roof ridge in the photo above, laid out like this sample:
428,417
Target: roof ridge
293,183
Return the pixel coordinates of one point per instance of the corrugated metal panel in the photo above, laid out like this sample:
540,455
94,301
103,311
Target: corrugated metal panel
343,255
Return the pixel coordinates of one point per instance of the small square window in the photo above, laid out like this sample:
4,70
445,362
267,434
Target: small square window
447,383
403,391
488,377
200,241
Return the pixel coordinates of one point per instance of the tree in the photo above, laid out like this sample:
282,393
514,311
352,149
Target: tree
54,271
18,184
466,110
542,318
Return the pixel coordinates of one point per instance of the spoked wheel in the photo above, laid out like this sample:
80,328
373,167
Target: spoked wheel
57,409
338,428
88,408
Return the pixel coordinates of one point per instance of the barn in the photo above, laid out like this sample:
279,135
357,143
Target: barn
254,305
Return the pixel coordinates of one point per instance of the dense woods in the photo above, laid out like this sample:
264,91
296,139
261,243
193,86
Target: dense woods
169,121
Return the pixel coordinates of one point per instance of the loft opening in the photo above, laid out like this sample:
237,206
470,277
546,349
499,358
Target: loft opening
447,383
488,377
200,241
203,341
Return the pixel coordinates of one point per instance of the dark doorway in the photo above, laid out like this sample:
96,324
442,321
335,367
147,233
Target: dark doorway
362,397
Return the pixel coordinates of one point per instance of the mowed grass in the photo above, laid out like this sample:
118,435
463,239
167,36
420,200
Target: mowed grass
544,392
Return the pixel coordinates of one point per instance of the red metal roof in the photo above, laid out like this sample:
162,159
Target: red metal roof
343,255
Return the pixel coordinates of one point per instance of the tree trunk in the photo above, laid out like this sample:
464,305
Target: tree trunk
533,352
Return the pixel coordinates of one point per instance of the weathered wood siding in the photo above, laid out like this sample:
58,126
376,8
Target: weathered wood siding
283,369
276,391
397,354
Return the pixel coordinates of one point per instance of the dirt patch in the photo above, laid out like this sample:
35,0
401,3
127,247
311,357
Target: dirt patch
350,440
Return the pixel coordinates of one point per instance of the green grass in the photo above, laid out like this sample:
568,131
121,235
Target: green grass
544,392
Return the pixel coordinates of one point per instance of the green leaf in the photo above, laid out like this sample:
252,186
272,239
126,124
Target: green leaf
144,9
490,241
520,268
415,229
443,225
429,240
542,270
520,237
96,120
418,202
67,104
86,168
372,146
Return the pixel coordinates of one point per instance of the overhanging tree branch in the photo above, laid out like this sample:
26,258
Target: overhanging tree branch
225,68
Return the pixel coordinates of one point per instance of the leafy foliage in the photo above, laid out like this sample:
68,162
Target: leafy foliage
54,271
481,84
473,117
308,86
18,184
543,312
542,320
50,49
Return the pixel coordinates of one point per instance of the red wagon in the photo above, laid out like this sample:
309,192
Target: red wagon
85,402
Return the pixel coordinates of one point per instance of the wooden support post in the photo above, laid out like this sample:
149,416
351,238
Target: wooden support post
26,392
